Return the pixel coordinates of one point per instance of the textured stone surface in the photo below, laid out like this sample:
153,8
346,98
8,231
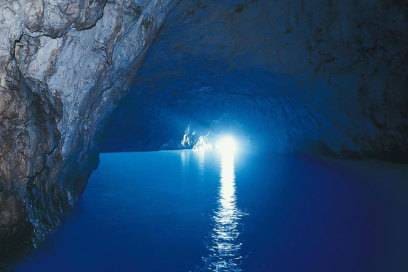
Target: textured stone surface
63,66
314,76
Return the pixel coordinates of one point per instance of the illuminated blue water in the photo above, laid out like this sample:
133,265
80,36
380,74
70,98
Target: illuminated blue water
185,211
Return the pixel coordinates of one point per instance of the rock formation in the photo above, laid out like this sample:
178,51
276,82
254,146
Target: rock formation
295,76
63,66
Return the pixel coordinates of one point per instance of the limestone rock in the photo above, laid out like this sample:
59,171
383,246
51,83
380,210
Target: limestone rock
63,66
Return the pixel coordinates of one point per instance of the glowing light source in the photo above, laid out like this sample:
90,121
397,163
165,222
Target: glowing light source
226,144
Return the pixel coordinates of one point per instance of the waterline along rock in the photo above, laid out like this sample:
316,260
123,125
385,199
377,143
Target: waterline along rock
63,67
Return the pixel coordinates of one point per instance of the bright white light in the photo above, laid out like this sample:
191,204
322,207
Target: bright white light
227,145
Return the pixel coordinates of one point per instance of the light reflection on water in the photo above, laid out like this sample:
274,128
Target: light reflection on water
155,211
225,247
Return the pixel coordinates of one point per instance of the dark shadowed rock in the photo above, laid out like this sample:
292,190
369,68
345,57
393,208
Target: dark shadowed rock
294,76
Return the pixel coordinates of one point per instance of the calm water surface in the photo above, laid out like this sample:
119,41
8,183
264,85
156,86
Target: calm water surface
186,211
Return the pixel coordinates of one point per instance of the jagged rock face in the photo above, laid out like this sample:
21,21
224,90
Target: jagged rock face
63,66
309,76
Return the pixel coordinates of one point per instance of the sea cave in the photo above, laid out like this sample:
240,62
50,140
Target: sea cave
204,135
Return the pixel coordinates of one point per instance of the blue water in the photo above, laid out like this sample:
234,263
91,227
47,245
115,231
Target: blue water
186,211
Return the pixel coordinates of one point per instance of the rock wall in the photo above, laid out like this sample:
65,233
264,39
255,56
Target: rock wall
319,76
63,67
